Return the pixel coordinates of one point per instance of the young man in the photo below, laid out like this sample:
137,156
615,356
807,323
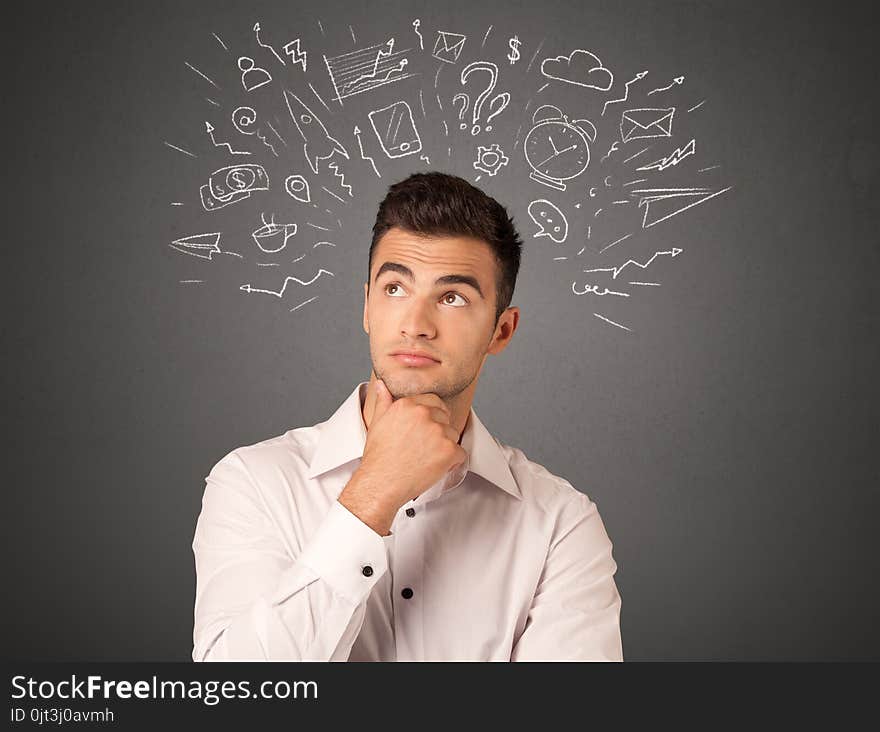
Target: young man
400,529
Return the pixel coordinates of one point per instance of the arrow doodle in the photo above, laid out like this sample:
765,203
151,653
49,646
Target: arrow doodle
209,128
674,252
357,134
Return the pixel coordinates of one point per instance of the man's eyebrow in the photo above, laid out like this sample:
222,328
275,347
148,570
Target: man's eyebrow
449,279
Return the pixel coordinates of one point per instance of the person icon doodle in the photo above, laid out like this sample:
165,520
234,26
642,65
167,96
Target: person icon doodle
255,73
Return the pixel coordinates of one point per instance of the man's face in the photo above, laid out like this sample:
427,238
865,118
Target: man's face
451,321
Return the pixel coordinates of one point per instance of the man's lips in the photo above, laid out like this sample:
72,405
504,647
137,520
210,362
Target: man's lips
414,358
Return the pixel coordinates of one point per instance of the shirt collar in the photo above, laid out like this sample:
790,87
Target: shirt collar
342,439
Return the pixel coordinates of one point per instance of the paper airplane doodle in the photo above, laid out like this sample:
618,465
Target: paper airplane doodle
204,246
644,124
317,142
396,130
663,203
365,69
580,67
448,46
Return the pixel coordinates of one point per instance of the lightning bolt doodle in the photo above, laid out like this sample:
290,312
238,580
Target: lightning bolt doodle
296,56
672,159
334,166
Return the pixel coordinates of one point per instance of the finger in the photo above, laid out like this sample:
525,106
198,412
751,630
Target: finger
384,400
431,400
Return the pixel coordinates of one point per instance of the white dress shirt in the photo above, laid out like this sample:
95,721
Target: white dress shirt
498,561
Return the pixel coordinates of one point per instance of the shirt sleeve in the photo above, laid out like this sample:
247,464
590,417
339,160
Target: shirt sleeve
254,601
575,611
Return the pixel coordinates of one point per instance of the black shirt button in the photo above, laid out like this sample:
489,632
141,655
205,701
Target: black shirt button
407,593
410,512
367,570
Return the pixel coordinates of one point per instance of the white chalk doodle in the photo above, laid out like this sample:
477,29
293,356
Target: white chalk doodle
297,187
490,159
550,220
514,43
317,142
643,124
396,130
415,24
638,77
448,46
266,45
580,67
272,237
367,68
677,81
206,78
663,203
209,128
499,102
615,271
671,160
252,76
557,149
594,290
333,167
232,184
602,317
180,149
357,134
297,56
244,119
287,280
204,246
311,299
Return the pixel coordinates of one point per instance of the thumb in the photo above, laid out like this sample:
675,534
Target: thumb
384,400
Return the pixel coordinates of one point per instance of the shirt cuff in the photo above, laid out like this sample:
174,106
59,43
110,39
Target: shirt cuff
347,554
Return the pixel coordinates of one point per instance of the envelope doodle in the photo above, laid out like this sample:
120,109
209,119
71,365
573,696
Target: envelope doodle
448,46
396,130
640,124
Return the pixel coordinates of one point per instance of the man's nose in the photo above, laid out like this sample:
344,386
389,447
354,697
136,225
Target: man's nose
418,320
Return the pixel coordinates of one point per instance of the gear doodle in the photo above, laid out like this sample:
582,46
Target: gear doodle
490,159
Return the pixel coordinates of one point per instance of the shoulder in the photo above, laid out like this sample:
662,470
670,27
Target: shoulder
290,451
545,491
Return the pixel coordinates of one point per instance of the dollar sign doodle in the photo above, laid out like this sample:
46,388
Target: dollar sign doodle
239,180
514,44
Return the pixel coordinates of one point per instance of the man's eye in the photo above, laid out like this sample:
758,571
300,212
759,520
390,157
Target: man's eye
447,295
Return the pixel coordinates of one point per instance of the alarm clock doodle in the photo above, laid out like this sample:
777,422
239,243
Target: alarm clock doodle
557,149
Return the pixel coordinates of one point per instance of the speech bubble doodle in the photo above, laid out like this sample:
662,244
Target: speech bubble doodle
550,220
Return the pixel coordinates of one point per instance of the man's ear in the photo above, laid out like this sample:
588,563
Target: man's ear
366,319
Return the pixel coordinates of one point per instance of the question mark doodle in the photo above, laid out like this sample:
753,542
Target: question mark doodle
478,104
464,107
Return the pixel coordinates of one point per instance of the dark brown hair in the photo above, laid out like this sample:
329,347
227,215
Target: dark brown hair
438,204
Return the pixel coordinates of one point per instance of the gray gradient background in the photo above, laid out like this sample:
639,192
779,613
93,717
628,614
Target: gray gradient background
730,442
